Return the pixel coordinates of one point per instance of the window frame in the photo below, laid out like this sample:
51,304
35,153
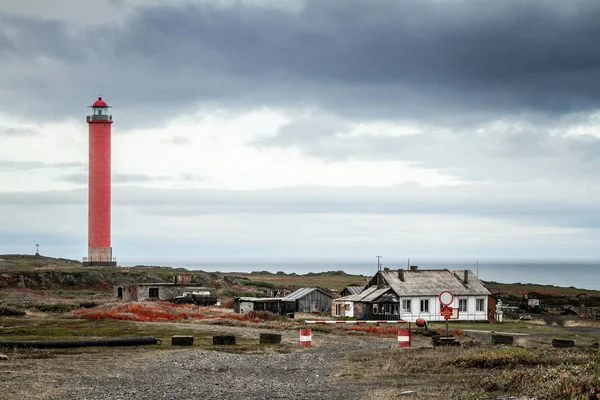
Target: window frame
424,310
408,304
153,290
477,303
466,303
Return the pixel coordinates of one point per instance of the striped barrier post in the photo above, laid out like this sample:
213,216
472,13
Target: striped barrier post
305,337
404,337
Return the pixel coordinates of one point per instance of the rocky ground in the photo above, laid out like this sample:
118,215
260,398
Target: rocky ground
304,373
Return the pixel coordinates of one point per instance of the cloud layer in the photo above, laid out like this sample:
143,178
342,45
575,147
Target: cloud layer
308,127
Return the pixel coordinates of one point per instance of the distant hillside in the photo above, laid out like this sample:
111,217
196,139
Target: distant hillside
38,272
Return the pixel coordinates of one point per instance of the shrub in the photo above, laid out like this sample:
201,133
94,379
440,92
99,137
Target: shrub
11,312
55,308
264,284
88,304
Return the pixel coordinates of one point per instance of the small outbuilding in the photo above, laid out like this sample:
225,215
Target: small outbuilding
311,300
302,300
155,291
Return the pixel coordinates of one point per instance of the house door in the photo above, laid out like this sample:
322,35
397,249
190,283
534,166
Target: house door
120,293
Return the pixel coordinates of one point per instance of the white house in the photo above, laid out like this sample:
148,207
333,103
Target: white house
411,294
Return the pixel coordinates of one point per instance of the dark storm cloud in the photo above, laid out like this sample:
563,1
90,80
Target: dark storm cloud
452,61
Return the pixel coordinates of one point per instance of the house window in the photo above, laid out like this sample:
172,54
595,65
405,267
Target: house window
153,292
479,305
462,305
337,309
424,306
375,308
406,306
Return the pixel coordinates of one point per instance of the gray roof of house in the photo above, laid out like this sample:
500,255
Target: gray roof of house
361,295
433,282
422,283
354,289
300,293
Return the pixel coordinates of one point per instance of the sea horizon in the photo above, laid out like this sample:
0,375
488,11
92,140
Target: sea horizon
581,274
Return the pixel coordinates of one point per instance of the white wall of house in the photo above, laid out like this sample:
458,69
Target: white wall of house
246,306
434,308
342,309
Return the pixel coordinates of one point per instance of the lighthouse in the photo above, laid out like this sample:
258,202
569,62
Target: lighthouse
99,246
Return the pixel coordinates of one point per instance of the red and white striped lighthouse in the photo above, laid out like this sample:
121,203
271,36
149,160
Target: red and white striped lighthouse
99,247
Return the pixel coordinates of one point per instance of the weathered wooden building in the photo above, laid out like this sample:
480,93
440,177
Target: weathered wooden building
411,294
310,300
275,305
301,300
155,291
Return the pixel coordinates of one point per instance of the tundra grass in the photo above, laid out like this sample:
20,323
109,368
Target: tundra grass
462,373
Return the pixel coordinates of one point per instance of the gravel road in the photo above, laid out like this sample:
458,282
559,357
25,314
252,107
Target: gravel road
201,374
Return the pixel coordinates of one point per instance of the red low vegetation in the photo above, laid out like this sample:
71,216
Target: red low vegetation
375,329
164,311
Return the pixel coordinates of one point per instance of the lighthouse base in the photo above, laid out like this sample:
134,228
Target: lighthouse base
99,263
99,257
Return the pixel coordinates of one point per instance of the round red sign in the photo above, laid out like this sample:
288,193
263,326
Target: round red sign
446,298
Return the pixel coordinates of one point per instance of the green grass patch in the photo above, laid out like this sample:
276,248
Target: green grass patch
70,329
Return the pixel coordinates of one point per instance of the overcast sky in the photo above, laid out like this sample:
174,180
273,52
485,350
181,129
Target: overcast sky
293,128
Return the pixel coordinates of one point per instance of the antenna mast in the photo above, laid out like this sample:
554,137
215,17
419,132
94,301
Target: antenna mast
379,263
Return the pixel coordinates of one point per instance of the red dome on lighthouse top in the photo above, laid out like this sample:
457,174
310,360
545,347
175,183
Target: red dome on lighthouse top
100,103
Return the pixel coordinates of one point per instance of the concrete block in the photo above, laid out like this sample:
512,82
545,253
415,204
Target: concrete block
503,339
563,343
448,341
223,340
270,338
181,340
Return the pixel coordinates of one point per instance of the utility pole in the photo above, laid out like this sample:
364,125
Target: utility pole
477,269
408,264
379,263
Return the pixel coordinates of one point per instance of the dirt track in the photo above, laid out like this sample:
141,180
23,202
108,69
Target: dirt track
144,373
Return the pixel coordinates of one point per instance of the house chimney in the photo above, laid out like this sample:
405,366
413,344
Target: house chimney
466,278
401,274
414,268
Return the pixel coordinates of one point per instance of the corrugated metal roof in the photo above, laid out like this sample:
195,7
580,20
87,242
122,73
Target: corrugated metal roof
299,293
374,295
353,289
433,282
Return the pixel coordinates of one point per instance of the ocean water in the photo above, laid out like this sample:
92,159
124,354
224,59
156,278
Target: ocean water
579,274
